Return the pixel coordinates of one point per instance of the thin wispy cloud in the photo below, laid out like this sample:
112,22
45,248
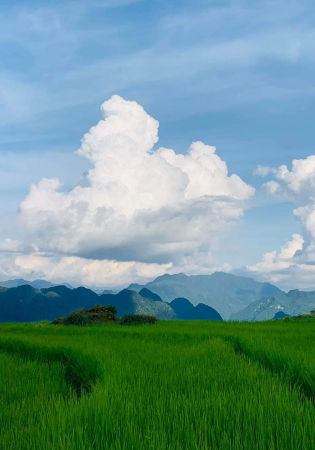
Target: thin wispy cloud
166,57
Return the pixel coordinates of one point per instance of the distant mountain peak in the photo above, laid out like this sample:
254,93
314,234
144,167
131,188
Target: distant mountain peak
181,305
39,284
220,274
146,293
293,292
293,303
175,276
128,301
225,292
280,315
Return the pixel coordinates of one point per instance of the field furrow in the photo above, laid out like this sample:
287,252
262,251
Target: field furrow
173,386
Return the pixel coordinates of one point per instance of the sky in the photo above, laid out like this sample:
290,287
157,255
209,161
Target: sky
139,138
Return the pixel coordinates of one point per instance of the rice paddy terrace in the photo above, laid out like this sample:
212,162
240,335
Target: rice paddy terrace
175,385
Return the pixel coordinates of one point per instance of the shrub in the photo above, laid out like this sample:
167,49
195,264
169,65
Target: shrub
112,308
57,321
97,314
101,314
76,318
138,319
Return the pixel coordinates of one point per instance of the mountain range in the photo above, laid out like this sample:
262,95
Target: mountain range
293,303
185,310
28,304
38,284
200,297
224,292
130,302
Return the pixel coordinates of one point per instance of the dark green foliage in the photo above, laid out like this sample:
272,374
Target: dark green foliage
138,319
57,321
112,308
309,316
76,318
97,314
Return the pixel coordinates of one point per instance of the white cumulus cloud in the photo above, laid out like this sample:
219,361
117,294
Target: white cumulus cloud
77,270
294,265
137,204
263,171
157,201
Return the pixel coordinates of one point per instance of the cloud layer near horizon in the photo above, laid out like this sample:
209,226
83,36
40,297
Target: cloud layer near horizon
136,208
295,263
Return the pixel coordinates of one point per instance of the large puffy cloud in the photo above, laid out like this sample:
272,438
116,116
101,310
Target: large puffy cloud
294,265
136,204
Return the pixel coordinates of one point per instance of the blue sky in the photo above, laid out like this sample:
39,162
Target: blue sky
238,75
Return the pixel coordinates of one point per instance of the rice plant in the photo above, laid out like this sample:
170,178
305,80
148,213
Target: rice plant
177,385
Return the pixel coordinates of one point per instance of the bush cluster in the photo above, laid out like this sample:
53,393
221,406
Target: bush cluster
76,318
138,319
112,309
97,314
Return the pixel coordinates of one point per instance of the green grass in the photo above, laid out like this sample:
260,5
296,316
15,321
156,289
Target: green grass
175,386
81,371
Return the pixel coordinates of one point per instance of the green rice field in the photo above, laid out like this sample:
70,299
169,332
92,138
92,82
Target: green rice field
175,385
